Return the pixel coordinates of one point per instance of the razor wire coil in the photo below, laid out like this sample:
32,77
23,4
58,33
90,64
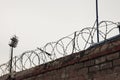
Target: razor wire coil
75,42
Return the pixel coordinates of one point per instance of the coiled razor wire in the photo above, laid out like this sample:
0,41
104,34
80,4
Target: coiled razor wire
75,42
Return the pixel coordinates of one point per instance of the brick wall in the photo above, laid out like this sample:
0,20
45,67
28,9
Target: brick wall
99,62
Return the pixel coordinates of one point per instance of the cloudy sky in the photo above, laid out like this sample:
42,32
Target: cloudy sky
37,22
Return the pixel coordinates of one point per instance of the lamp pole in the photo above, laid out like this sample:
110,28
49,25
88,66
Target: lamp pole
97,21
13,44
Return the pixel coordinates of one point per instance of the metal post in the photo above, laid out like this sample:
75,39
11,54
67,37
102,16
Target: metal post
118,27
15,62
11,59
13,44
74,42
97,21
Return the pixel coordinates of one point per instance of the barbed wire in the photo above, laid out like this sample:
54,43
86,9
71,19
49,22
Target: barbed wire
75,42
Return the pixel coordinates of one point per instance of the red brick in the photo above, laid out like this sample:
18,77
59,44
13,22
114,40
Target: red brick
116,62
106,65
113,56
110,76
99,78
83,71
100,60
89,63
117,69
94,68
104,47
117,77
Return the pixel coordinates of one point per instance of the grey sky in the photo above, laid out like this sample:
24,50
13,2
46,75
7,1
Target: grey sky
37,22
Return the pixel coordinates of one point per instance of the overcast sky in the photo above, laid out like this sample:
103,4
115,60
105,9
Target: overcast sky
37,22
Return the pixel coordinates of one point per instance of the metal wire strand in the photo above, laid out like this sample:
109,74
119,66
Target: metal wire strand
75,42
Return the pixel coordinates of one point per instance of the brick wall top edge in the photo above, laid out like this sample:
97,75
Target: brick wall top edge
90,53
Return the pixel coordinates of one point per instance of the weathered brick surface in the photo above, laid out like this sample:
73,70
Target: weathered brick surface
89,63
101,62
116,62
117,69
106,65
113,56
94,68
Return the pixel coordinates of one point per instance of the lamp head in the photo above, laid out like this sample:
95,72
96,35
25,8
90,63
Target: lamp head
14,41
